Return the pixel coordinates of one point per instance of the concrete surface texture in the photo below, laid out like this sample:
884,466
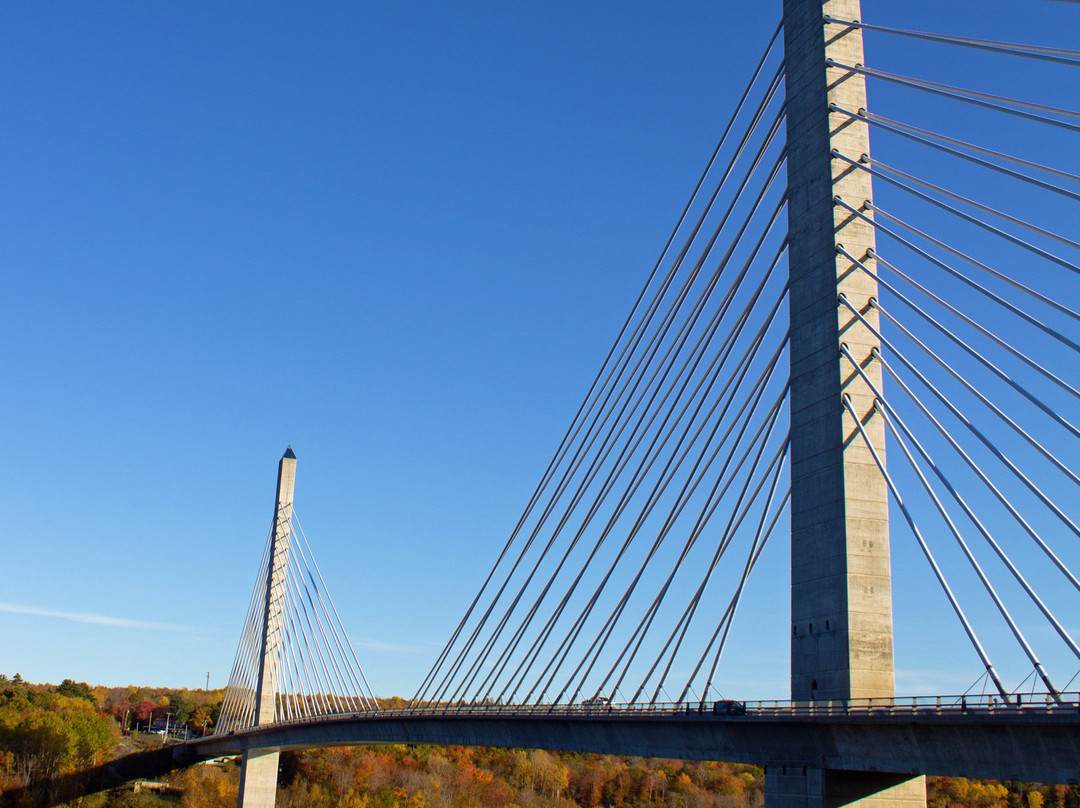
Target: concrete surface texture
841,620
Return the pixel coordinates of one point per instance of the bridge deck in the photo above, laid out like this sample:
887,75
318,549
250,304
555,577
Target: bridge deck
1039,743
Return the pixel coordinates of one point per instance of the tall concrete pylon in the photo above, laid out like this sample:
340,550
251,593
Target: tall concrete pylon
259,768
841,598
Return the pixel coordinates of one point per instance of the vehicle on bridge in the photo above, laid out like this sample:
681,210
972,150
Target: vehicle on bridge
728,707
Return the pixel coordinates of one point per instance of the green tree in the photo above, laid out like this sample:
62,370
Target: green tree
182,706
77,690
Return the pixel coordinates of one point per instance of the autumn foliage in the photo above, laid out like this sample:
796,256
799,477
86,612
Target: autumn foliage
958,792
440,777
47,730
45,734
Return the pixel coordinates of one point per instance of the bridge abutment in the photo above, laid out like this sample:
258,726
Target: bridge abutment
809,787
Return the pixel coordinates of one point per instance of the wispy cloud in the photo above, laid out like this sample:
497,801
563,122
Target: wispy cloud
94,619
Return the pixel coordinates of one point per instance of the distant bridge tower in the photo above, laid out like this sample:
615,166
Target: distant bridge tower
259,768
841,600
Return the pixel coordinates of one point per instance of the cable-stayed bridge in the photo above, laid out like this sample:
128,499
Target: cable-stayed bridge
817,307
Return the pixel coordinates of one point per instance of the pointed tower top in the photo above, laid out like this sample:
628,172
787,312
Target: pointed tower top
289,455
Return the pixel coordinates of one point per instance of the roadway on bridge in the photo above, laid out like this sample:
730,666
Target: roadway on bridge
1031,743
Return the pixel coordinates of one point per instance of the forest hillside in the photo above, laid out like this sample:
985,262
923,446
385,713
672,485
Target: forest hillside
47,731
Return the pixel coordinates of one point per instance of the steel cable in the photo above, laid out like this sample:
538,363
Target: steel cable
989,228
964,346
960,276
723,626
971,464
971,388
562,651
957,609
889,413
1062,516
655,343
344,645
943,512
652,308
1031,363
712,375
1034,228
695,532
689,488
751,561
356,687
626,324
928,138
997,103
734,521
651,453
1063,56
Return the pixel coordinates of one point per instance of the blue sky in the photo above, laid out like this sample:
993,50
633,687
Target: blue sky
398,236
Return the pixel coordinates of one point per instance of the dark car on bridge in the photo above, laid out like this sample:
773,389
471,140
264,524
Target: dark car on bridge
728,707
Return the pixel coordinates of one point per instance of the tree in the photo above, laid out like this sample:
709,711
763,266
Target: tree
549,773
78,690
182,706
208,786
144,710
200,719
654,786
117,708
46,734
521,770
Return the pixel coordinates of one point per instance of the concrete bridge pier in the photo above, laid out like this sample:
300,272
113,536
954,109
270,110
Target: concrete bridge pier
841,593
809,787
258,779
258,768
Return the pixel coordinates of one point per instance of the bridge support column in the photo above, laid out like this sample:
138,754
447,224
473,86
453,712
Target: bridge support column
259,770
841,599
258,779
807,787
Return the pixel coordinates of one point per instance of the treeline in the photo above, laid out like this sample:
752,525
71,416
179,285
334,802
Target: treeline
136,707
432,777
441,777
479,777
45,733
958,792
52,730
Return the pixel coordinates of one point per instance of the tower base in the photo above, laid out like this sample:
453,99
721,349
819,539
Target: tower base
806,787
258,779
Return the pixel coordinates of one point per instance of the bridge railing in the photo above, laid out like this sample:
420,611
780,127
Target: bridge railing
981,705
986,703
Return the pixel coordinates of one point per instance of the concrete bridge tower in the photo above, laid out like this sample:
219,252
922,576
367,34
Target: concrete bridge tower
841,599
259,768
